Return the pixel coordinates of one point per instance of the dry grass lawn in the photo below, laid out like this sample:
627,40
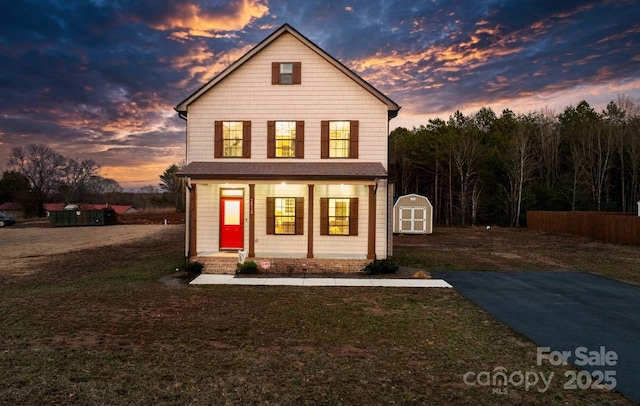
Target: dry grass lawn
110,325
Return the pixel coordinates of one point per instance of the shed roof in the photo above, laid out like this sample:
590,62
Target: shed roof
284,170
392,107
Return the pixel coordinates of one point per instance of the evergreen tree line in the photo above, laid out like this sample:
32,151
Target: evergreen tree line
485,169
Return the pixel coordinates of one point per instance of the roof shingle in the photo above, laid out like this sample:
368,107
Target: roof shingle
284,170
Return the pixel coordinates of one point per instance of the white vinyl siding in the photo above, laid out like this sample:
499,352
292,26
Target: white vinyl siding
325,94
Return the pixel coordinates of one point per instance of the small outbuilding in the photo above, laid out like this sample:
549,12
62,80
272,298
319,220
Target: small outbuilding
412,214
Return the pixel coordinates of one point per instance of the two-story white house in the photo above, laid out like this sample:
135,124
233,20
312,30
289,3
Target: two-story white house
287,160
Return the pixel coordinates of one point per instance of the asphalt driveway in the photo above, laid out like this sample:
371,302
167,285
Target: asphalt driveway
592,319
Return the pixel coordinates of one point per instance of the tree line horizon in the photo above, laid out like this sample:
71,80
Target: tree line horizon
484,169
39,175
476,169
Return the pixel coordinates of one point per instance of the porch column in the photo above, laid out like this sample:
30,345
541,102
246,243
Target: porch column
193,222
252,220
371,243
310,223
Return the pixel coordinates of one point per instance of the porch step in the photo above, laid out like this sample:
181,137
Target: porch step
218,265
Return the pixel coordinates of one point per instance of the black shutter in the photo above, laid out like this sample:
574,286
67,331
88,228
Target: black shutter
271,215
297,73
275,73
299,139
324,216
353,139
217,139
353,216
246,139
271,139
324,139
299,215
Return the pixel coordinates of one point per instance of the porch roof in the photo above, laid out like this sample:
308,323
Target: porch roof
284,170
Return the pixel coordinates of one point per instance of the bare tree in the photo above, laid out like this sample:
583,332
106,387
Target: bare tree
624,116
465,154
519,165
598,148
550,141
42,166
76,174
104,187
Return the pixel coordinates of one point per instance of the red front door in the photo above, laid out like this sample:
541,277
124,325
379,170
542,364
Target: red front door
231,223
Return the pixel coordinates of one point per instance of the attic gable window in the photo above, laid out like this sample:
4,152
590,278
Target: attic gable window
286,73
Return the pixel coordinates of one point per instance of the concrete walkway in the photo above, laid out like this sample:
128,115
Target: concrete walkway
206,279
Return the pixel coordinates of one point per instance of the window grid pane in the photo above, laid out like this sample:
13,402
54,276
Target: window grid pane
285,139
339,216
339,134
286,73
232,138
285,215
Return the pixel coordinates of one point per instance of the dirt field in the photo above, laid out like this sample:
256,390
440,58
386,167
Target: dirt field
25,248
504,249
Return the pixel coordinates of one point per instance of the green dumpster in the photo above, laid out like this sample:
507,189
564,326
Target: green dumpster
70,218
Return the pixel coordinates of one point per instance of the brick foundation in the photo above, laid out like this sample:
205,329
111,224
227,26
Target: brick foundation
227,265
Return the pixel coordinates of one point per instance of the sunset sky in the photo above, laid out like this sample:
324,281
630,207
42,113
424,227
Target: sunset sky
99,79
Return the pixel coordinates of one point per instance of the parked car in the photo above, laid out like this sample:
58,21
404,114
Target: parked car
6,220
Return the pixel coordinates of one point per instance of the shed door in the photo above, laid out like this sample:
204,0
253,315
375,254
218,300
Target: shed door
413,219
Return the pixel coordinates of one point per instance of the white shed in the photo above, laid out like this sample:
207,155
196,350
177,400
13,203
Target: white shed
413,214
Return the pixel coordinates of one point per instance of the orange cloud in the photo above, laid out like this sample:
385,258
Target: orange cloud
203,65
192,20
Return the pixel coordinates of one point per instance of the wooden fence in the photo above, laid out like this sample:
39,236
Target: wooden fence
617,228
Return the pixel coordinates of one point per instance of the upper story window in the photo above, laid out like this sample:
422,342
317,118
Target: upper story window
286,73
339,135
339,139
232,139
285,139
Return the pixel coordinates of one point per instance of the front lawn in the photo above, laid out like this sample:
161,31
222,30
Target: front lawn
105,327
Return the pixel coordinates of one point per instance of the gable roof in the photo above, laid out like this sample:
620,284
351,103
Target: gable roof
392,107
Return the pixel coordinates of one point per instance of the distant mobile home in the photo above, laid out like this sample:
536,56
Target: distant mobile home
412,214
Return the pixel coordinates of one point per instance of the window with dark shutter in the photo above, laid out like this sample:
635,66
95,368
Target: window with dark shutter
339,216
232,139
285,139
285,215
286,73
339,139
